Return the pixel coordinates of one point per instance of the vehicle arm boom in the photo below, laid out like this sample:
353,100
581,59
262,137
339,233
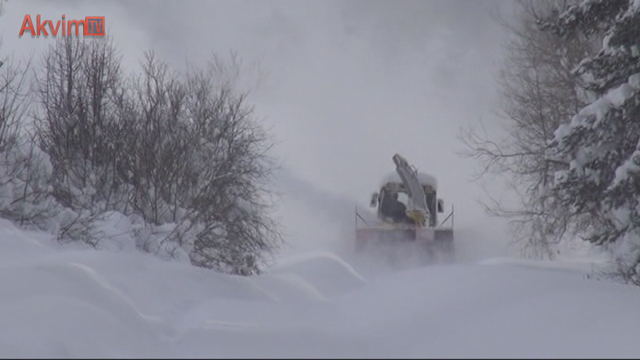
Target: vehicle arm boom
417,209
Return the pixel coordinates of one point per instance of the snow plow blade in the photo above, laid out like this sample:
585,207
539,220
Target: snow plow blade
380,236
430,245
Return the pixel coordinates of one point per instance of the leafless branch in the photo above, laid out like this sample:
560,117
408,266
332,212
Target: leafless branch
538,92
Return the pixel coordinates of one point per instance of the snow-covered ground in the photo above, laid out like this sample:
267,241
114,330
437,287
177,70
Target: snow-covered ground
67,302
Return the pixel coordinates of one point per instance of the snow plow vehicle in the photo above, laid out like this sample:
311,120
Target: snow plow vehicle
407,209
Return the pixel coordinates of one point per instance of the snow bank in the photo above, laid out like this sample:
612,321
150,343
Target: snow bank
18,243
491,311
571,265
87,303
57,309
327,273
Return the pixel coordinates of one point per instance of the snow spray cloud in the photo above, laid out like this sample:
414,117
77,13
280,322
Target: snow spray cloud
313,219
349,83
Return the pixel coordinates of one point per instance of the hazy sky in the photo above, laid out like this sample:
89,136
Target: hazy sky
343,84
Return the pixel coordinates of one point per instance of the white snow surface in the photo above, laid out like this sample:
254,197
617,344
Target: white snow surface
62,302
423,178
592,114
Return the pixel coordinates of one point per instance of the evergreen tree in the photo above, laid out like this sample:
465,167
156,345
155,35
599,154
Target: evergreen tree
601,144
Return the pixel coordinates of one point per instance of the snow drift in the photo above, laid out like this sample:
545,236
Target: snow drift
86,303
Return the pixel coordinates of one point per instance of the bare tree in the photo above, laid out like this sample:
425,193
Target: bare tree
79,90
14,95
78,121
160,143
181,152
203,164
24,176
234,170
538,92
185,154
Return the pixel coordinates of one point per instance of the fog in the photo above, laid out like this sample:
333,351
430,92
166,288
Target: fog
342,86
